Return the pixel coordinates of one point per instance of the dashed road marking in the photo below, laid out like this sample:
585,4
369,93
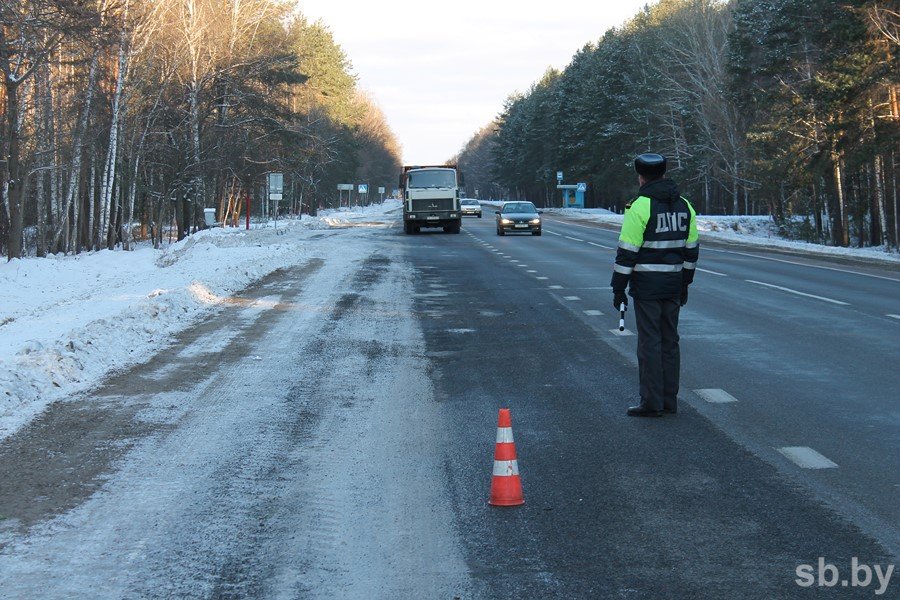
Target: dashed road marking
601,246
531,271
523,266
623,333
571,298
716,396
574,239
894,316
807,458
593,313
513,260
712,272
555,287
542,278
554,233
789,290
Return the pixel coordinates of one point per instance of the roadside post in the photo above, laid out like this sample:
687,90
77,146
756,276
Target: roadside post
275,191
348,187
381,191
363,190
248,209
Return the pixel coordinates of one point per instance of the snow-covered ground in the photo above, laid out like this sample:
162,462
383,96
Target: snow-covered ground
67,322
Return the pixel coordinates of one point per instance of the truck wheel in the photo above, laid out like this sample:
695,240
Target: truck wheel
456,228
407,228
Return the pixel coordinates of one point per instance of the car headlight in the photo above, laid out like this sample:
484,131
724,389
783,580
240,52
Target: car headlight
535,221
506,221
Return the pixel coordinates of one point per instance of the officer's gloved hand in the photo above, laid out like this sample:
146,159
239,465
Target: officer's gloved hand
618,298
684,295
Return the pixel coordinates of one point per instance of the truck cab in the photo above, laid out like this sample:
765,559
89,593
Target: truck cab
431,197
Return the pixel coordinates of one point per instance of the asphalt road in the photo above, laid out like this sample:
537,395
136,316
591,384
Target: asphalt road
330,434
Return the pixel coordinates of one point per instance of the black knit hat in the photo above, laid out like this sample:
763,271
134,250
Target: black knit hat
651,166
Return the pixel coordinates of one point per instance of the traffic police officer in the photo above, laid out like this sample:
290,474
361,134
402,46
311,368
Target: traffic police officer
656,258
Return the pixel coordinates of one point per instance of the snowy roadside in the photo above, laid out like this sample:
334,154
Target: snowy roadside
756,230
67,322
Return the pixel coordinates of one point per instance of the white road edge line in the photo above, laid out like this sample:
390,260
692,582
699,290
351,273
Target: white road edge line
792,262
806,458
715,396
784,289
712,272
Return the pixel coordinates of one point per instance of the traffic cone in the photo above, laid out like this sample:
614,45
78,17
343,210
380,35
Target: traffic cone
506,486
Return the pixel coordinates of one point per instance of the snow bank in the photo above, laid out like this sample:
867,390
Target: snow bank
757,230
67,322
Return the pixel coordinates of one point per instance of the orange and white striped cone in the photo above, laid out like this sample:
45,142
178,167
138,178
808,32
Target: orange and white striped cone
506,486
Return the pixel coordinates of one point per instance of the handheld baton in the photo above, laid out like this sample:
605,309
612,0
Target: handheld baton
622,308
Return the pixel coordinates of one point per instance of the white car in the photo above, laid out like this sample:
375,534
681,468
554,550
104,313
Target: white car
470,207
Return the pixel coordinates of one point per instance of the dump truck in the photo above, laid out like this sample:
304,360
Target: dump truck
431,197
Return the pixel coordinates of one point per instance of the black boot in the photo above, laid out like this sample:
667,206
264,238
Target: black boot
642,411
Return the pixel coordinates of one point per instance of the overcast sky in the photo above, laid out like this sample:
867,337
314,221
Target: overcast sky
442,70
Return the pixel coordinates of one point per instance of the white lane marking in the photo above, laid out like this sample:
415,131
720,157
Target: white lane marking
712,272
553,233
806,457
531,271
620,333
555,287
574,239
593,313
784,289
715,396
523,266
792,262
542,278
571,298
601,246
894,316
513,260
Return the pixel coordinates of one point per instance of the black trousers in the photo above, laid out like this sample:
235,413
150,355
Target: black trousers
659,358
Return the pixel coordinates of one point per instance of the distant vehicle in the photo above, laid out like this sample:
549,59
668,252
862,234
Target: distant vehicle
470,207
518,216
430,197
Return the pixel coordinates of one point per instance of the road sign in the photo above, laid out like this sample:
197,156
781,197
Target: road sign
345,187
582,187
276,184
381,190
275,196
559,175
363,188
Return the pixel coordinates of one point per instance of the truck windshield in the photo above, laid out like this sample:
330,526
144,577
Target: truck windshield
438,178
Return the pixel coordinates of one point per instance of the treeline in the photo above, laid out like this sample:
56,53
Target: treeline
125,118
780,107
